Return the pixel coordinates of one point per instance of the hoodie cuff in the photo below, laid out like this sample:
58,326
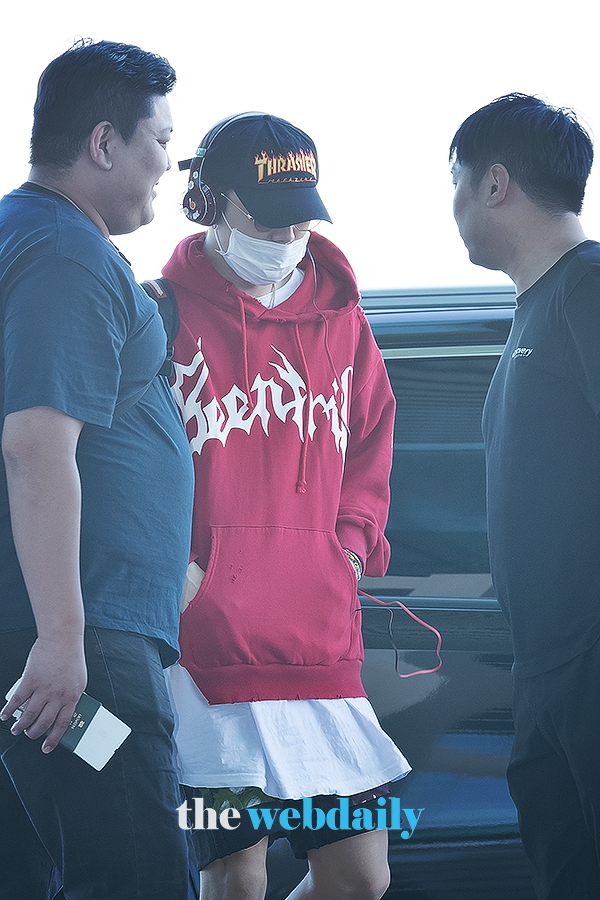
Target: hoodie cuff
354,538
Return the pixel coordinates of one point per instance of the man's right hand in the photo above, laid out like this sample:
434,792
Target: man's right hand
54,679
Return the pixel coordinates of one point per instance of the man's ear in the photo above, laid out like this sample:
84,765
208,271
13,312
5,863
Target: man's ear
100,145
498,180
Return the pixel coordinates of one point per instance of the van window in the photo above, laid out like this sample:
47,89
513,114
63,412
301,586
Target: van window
437,524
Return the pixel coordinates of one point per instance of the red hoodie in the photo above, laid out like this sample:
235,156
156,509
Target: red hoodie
289,413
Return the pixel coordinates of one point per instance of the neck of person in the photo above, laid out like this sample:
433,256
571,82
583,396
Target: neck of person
67,184
218,263
540,245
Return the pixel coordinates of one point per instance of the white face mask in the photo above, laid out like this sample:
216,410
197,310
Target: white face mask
261,262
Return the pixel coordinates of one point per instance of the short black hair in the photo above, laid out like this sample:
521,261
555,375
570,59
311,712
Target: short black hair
544,148
94,82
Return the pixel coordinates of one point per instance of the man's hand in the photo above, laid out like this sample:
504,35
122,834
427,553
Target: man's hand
52,683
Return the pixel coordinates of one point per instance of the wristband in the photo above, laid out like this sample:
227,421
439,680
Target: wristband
356,562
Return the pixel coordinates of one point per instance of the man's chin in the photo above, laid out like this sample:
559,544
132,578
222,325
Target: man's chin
148,216
483,262
130,227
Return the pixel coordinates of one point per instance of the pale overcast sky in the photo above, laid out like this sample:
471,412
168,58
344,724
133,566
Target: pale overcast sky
381,86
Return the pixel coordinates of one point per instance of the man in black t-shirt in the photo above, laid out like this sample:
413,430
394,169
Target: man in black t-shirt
520,168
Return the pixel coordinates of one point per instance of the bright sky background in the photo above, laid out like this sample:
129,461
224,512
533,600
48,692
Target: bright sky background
380,85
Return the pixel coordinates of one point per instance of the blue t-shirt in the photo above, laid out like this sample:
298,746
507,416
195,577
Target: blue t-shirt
80,336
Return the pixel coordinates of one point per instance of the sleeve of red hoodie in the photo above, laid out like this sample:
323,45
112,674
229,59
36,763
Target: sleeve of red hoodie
365,496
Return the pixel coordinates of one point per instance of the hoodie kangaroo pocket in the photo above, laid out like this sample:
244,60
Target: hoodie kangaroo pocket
273,595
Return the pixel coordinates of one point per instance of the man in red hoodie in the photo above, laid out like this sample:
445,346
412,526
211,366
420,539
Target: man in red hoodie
289,414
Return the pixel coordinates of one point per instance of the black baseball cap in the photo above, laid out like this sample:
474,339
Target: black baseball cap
270,164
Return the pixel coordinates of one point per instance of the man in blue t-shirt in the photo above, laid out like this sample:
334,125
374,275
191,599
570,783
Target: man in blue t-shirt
520,168
95,493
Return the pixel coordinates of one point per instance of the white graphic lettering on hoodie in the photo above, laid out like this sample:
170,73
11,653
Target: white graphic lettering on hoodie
217,418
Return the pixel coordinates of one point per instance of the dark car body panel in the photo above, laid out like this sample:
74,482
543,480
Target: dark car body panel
455,725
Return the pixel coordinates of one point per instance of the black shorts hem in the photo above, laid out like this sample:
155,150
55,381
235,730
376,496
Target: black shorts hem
211,844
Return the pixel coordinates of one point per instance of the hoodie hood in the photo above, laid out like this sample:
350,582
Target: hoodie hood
335,295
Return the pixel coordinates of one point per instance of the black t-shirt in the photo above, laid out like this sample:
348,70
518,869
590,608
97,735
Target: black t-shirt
542,436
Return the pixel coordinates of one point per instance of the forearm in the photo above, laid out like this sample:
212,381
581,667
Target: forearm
45,504
39,447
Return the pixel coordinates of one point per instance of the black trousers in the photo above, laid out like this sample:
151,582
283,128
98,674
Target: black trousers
108,835
554,777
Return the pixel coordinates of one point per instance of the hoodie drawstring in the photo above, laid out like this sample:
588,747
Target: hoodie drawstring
251,402
301,483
